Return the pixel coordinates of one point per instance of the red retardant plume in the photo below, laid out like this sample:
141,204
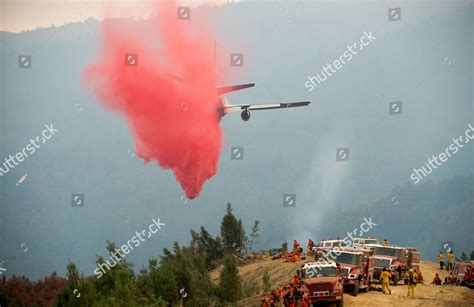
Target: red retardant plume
160,76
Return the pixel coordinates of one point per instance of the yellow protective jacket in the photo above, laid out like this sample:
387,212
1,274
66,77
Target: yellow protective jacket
450,258
385,276
441,257
407,276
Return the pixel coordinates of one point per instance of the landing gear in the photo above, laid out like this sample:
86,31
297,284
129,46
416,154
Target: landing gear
245,115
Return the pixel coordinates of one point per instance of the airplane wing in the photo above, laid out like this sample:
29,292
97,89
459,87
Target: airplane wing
265,106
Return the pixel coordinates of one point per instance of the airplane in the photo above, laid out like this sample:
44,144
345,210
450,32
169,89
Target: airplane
246,108
225,108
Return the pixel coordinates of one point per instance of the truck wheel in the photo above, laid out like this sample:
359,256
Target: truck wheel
395,280
355,291
340,303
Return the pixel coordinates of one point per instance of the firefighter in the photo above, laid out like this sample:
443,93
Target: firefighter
305,301
450,265
296,245
436,280
295,258
385,242
419,277
441,260
310,246
295,281
411,278
385,280
281,294
274,297
289,299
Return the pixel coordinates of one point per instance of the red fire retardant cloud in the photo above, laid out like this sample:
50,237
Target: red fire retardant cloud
136,73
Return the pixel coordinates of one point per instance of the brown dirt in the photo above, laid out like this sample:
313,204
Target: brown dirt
425,294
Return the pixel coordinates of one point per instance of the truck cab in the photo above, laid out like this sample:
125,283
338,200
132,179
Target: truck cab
357,269
322,281
324,246
362,242
394,258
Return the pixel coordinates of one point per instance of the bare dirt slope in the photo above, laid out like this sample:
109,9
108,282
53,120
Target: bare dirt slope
426,294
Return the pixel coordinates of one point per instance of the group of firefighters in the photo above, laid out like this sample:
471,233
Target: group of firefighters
288,295
450,264
411,279
296,254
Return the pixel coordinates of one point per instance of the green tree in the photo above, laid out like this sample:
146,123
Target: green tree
208,246
72,273
232,232
254,235
463,256
230,284
241,239
472,255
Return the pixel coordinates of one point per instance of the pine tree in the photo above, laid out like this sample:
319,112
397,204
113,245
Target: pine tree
254,235
463,256
240,244
230,286
232,232
208,246
472,255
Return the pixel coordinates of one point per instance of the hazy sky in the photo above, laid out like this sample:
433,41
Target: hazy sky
20,15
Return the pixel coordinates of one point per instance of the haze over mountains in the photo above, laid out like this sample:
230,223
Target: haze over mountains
425,60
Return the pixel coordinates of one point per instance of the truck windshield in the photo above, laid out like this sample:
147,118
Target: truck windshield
338,243
372,241
320,272
346,258
386,251
326,272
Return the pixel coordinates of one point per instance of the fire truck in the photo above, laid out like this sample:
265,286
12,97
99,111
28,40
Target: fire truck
357,268
327,245
322,281
394,259
462,274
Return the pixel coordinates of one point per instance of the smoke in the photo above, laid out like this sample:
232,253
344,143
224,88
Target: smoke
160,76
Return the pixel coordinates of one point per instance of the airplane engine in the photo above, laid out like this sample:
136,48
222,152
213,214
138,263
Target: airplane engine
245,115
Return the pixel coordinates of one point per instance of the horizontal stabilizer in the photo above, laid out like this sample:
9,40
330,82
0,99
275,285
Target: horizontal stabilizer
232,88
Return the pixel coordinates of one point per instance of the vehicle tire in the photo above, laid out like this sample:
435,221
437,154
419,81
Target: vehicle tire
340,303
395,280
355,291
